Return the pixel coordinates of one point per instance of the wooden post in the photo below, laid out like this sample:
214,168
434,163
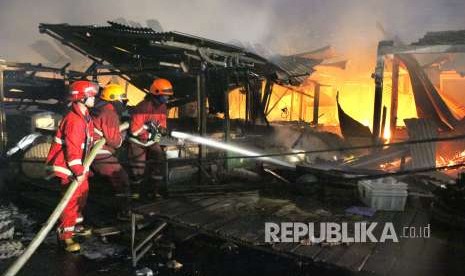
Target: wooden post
226,121
3,133
203,112
291,109
266,99
247,103
394,96
201,118
383,121
379,73
316,104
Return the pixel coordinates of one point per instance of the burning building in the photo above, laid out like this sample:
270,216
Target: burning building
297,113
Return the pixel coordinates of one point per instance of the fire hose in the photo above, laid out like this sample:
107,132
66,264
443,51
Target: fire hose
39,238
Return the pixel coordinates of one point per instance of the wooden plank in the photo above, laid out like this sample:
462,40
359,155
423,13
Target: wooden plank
308,251
386,254
249,228
214,212
149,209
298,211
288,247
331,254
163,207
248,221
410,260
241,218
231,210
356,255
167,207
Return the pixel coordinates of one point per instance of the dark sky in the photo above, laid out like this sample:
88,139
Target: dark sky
285,26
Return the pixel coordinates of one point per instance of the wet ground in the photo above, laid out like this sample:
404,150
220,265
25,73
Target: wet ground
202,255
199,256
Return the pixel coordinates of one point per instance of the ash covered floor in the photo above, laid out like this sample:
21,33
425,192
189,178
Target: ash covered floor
201,255
207,254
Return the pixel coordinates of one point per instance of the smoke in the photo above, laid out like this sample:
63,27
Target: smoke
286,27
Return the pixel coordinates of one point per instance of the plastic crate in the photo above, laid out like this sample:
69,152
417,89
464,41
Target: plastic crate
383,194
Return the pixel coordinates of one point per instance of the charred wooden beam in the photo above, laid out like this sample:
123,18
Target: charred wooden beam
425,49
378,76
316,104
394,96
383,121
226,121
201,117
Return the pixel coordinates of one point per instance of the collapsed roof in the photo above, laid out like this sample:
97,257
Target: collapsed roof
130,48
429,103
27,81
142,54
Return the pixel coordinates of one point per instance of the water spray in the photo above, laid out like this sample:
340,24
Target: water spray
228,147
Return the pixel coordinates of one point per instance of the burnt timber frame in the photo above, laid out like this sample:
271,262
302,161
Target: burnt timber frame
316,104
431,43
394,96
140,54
16,76
140,249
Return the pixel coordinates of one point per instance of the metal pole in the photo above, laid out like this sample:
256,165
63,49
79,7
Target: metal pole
3,134
203,111
316,104
199,123
201,117
394,96
199,120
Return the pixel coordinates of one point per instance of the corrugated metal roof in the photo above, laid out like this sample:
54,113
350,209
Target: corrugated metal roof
299,67
423,154
443,38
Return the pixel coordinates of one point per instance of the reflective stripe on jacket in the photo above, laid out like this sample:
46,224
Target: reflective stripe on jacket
71,144
144,112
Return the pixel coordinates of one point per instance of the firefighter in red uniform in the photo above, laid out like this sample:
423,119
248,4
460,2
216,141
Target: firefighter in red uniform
148,123
71,145
106,118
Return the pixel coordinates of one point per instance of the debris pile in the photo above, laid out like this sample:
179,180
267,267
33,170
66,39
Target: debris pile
9,247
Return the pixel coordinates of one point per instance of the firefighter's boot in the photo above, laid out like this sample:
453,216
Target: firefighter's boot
71,245
82,231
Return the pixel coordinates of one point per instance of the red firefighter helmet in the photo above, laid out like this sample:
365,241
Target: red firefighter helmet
80,90
161,87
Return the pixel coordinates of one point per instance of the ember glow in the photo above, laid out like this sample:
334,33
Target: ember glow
356,94
458,158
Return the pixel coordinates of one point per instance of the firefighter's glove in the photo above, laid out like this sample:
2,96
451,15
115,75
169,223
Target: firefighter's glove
155,137
80,178
164,131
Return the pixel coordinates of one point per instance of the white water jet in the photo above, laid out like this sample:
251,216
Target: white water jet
228,147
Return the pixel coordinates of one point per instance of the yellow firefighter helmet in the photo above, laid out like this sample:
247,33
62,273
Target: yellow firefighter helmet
113,92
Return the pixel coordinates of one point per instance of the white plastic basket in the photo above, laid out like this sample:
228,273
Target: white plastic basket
383,194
